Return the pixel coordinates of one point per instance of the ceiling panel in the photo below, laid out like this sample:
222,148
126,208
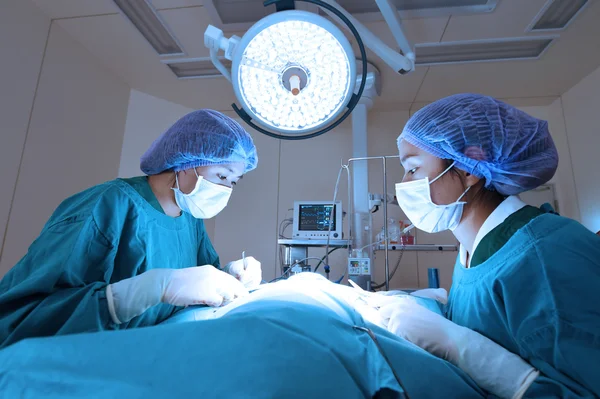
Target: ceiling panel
76,8
188,25
482,50
365,6
558,14
498,79
367,10
573,56
165,4
510,19
423,30
401,88
111,40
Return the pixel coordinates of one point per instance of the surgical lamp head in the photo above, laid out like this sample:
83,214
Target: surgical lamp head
293,72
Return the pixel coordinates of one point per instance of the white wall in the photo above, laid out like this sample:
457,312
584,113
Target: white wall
77,117
147,118
581,106
563,179
22,46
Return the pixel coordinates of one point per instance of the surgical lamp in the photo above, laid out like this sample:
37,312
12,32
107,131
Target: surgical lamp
294,72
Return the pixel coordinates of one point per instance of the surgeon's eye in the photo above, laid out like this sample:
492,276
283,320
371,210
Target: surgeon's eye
412,171
222,177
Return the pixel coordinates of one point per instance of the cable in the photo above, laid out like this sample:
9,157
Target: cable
368,245
323,258
335,192
402,248
284,224
376,286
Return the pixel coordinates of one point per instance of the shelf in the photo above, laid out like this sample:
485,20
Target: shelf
312,243
421,247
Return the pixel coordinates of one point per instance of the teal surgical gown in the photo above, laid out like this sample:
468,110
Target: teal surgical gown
105,234
538,297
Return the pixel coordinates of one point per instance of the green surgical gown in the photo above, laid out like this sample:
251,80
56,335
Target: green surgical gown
102,235
537,296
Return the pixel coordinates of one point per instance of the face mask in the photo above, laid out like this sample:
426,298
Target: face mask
414,198
205,201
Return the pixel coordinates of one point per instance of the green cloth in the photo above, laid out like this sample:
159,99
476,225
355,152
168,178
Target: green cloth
102,235
141,185
495,239
537,296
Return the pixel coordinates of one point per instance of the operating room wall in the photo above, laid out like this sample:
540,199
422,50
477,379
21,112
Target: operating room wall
25,43
581,106
563,179
63,119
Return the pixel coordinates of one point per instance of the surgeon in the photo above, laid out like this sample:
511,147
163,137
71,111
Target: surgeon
130,252
522,318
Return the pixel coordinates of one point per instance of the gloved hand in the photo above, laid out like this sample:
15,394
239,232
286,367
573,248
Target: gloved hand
409,320
202,285
492,367
248,273
439,294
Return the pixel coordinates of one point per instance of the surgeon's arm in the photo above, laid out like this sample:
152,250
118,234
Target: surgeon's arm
563,343
576,357
59,286
491,366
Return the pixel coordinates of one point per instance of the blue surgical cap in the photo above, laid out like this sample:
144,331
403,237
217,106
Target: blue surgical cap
200,138
510,149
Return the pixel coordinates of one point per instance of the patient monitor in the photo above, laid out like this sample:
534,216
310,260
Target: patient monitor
317,220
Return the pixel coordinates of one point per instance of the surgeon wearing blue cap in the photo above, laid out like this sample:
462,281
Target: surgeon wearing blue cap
522,318
131,252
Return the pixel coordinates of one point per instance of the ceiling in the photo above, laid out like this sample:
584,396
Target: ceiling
99,26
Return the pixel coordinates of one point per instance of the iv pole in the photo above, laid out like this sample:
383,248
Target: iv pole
385,223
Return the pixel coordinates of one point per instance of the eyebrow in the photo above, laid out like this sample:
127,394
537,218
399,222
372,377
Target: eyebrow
232,171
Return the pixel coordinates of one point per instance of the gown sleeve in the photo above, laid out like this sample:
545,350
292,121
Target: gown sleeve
566,348
59,286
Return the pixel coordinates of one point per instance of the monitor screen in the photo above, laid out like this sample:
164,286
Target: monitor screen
313,217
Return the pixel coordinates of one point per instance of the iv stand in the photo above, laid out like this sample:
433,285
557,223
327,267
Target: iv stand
385,222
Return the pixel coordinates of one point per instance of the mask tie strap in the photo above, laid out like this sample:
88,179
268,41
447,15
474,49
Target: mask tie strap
177,179
463,194
444,172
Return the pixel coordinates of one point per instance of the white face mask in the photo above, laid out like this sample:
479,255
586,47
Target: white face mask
205,201
414,198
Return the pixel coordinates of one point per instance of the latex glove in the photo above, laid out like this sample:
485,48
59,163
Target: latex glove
202,285
249,274
492,367
439,294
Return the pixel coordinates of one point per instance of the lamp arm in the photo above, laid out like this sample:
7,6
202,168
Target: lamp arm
397,61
